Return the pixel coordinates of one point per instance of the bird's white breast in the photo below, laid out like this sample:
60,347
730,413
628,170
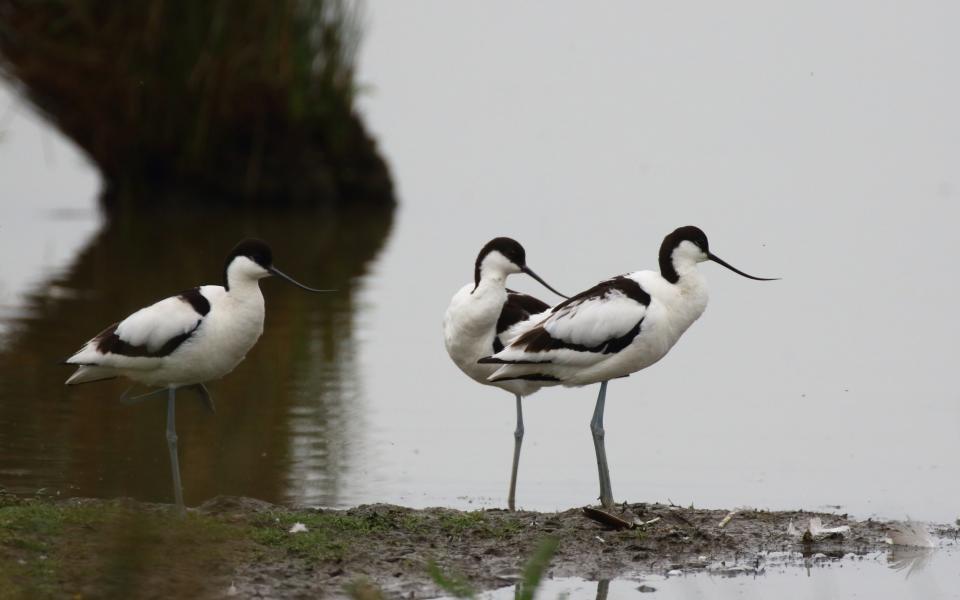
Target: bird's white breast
671,311
227,333
469,328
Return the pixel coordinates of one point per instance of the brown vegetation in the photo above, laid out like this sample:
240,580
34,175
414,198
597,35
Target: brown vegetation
248,101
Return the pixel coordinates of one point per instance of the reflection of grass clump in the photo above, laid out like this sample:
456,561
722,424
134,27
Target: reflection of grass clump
48,550
533,573
247,99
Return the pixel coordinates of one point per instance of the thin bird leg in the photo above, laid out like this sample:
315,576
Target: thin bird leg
596,426
172,446
205,397
517,442
198,388
126,398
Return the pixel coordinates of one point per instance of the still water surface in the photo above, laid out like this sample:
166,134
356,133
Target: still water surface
904,574
833,387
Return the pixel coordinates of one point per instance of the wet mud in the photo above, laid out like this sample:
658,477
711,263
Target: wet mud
489,548
246,548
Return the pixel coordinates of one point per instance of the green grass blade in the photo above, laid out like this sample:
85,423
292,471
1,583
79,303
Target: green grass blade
458,587
535,569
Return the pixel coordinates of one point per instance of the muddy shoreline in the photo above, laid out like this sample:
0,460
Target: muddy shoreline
491,552
247,548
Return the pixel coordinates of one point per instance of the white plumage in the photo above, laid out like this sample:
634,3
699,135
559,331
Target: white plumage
185,340
470,329
618,327
605,333
208,344
484,316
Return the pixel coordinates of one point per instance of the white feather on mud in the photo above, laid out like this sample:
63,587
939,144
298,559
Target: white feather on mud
910,533
299,528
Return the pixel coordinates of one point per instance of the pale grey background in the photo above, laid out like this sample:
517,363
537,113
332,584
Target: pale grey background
819,142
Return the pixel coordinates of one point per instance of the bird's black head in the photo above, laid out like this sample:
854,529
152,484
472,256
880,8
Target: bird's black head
508,247
505,256
687,233
678,236
259,254
256,250
673,250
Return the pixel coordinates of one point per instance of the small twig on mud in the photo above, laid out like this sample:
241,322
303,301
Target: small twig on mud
606,518
727,518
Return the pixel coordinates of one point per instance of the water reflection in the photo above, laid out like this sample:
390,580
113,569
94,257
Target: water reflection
289,417
909,560
900,572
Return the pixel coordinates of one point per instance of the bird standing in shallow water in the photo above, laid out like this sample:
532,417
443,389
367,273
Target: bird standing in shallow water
484,316
185,340
617,327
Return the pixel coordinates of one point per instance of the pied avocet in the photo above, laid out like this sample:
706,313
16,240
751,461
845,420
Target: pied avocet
484,316
185,340
617,327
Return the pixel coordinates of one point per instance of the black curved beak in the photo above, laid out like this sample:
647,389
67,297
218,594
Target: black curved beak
717,260
275,271
529,272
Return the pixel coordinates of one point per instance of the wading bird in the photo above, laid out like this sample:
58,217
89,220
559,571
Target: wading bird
185,340
484,316
617,327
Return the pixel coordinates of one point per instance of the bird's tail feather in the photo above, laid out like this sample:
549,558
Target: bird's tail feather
88,374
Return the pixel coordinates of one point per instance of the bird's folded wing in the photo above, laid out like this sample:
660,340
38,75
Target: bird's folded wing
581,330
153,331
516,317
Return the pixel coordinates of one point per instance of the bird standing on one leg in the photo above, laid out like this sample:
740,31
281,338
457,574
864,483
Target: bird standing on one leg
484,316
617,327
185,340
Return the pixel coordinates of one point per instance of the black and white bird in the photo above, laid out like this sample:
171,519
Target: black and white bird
484,316
617,327
185,340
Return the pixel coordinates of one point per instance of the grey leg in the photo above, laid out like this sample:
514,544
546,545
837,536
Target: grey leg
198,388
596,426
205,397
126,398
603,589
517,441
172,446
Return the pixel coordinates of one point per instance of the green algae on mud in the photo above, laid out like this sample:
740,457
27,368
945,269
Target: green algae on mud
123,548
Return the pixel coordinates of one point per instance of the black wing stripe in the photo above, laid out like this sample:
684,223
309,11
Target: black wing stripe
529,303
530,377
518,308
625,285
493,360
108,342
539,340
194,298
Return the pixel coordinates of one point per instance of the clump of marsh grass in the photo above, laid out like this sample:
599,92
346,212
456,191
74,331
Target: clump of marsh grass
245,100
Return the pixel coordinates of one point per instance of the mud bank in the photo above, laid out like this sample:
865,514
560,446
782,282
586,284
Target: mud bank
246,548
